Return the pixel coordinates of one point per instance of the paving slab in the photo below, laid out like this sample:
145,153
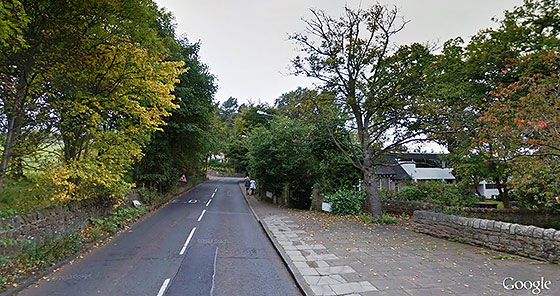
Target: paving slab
343,256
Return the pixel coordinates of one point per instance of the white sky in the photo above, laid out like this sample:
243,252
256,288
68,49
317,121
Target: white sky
245,44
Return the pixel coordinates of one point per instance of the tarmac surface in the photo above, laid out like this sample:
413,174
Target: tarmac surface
206,242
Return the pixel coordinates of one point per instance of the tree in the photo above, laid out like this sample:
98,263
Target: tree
466,79
228,111
319,110
377,85
94,71
281,154
12,22
183,144
524,123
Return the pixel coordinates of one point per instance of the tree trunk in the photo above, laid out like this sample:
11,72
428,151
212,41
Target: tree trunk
14,125
15,115
370,186
503,193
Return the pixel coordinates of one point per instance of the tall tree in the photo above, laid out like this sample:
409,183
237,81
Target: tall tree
185,141
523,123
467,77
91,70
378,85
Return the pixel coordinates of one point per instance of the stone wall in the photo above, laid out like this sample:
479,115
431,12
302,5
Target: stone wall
539,218
408,207
529,241
35,227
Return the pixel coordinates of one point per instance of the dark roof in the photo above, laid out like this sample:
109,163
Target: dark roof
388,165
422,159
419,156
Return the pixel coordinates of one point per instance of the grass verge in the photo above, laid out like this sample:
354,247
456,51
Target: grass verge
32,260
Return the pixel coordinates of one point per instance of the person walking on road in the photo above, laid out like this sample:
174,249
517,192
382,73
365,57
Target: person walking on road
252,187
247,184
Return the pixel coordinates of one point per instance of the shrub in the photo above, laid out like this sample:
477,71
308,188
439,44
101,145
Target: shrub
438,193
387,194
346,201
411,193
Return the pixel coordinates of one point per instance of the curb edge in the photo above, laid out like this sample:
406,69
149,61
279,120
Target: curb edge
296,275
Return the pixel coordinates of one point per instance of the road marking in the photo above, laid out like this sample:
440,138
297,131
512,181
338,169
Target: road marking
214,274
200,218
187,242
215,190
209,201
213,194
163,287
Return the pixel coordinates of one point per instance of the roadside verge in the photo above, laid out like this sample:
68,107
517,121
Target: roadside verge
28,281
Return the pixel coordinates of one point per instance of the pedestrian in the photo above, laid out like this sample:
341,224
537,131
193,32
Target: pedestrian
247,184
253,186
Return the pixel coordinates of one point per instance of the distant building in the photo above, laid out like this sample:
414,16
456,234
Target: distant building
394,171
488,190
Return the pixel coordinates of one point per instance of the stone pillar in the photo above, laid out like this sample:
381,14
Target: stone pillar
316,198
286,194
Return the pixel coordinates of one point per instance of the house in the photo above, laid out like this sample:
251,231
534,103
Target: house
488,190
395,170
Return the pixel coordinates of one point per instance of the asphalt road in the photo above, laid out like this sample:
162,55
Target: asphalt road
227,253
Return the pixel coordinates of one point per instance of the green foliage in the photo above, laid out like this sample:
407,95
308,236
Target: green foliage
379,89
118,219
36,258
4,242
476,93
12,22
282,154
345,201
439,193
387,194
91,78
23,196
187,138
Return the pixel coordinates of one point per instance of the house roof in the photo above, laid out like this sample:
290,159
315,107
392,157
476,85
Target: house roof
388,165
422,159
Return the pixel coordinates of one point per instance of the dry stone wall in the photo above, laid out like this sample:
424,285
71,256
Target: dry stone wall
408,207
528,241
35,227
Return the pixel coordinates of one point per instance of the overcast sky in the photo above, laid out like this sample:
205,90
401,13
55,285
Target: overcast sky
245,44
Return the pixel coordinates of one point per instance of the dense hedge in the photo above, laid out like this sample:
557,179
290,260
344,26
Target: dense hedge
435,192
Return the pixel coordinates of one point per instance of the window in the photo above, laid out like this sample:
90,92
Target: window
491,186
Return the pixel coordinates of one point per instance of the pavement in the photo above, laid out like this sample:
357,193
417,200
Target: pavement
334,255
206,242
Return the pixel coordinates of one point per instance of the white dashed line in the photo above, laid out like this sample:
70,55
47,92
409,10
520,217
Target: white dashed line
215,190
163,287
200,217
187,242
208,203
213,194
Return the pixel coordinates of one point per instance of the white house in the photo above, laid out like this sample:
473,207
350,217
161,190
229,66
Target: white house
488,190
394,170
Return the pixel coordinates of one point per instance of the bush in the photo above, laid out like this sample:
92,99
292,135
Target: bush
385,194
438,193
411,193
346,201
